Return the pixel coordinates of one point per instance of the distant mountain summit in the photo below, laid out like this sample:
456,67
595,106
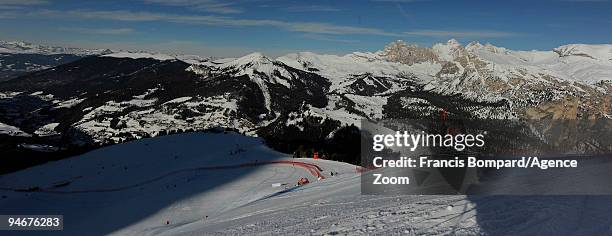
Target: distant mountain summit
300,97
20,47
18,58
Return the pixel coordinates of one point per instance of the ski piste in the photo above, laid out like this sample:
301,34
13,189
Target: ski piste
375,117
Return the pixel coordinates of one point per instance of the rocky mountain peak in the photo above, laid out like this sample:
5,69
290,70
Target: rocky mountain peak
253,58
399,51
453,42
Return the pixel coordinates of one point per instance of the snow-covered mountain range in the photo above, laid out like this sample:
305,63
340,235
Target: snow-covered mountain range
20,47
18,58
301,96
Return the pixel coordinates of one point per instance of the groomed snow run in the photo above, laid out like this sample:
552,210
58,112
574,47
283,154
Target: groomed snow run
204,183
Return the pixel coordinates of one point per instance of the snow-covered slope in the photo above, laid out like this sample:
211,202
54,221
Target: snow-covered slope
11,130
574,62
195,184
134,188
601,52
519,81
340,69
261,70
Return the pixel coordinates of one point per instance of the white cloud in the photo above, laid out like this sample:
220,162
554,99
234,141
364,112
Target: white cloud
22,2
305,27
17,4
214,6
328,39
111,31
11,7
311,8
460,34
399,1
7,15
324,28
595,1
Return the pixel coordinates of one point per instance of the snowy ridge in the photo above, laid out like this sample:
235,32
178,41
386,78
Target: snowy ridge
575,62
178,188
255,63
484,73
448,51
138,55
250,93
601,52
21,47
339,69
260,69
191,59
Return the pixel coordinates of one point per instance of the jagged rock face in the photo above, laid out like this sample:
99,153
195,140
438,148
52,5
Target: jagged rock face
527,80
400,52
118,97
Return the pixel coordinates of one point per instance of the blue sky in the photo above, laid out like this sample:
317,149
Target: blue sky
223,28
